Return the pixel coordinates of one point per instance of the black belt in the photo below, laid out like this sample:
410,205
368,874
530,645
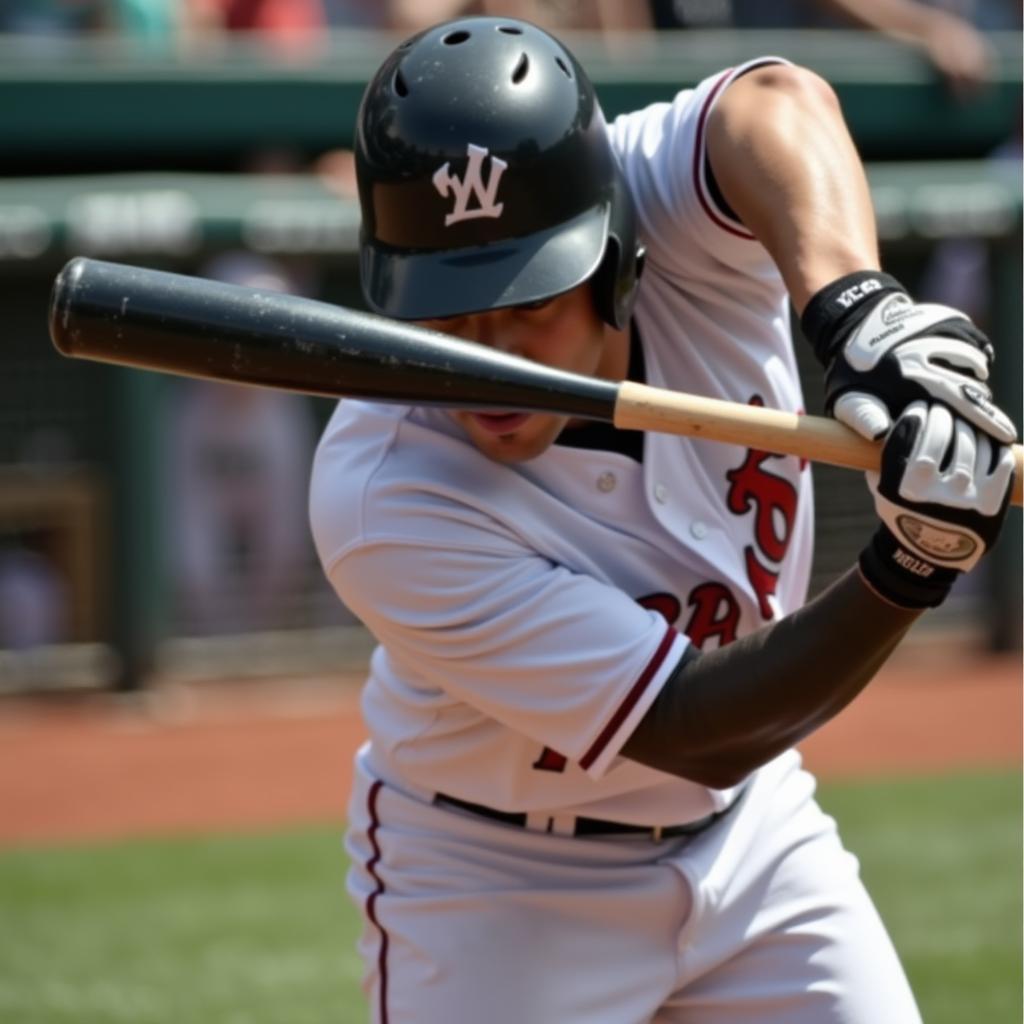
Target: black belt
593,826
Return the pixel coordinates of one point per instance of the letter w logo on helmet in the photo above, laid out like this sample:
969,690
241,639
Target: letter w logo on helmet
472,185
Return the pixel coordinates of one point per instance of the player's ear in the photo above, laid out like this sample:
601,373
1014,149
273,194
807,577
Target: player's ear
615,281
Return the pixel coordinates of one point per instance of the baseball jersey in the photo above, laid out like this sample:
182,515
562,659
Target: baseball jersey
527,615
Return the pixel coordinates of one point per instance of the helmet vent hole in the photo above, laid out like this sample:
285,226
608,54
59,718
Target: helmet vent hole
565,69
510,30
454,38
521,68
400,85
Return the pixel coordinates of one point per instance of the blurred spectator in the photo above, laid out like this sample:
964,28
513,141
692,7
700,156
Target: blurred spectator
945,33
292,28
49,23
956,49
336,169
155,24
357,13
554,15
34,596
238,471
958,271
987,15
50,17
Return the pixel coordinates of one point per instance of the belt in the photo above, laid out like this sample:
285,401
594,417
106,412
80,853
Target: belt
593,826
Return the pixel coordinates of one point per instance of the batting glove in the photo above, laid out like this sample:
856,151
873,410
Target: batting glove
942,494
882,351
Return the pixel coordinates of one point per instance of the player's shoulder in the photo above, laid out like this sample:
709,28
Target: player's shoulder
396,475
694,94
357,439
373,447
686,227
684,112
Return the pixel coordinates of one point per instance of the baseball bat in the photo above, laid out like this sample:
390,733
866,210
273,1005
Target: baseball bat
174,323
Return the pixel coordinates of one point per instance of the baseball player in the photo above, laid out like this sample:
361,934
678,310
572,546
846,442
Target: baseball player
580,802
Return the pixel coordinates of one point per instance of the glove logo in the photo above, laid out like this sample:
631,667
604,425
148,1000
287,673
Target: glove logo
942,544
897,309
472,184
979,396
887,321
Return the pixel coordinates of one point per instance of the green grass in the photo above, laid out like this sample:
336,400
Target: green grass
943,861
232,930
254,929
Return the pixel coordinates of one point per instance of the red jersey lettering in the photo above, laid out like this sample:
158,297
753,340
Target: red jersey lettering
716,615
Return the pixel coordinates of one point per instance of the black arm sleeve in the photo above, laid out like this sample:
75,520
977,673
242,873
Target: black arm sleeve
726,712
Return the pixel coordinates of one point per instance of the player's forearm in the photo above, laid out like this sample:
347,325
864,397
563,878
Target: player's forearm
783,158
729,711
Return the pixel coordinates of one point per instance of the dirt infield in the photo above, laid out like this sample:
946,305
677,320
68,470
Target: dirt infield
257,754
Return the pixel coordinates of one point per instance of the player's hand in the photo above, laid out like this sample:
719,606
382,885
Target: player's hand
883,351
942,494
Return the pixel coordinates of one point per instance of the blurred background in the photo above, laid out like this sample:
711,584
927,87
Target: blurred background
156,527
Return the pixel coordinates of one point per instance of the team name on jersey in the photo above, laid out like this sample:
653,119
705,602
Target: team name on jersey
773,501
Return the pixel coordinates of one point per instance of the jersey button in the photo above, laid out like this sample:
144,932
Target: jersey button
698,530
606,483
660,493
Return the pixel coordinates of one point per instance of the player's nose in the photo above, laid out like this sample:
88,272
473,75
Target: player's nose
500,331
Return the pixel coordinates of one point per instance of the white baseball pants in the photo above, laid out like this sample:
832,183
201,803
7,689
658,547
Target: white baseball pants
762,918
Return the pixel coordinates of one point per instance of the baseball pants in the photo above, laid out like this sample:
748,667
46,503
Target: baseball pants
762,918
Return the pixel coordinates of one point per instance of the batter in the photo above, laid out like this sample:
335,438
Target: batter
580,800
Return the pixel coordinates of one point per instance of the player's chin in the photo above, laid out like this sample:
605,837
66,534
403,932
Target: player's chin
524,440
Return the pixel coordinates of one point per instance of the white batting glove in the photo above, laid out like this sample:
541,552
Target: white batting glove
883,351
942,493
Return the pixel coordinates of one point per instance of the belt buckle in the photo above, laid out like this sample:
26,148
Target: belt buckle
656,833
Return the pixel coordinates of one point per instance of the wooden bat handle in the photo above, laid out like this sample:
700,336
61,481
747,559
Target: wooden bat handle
640,407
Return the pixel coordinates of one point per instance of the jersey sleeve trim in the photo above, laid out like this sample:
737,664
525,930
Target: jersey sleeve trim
707,201
636,702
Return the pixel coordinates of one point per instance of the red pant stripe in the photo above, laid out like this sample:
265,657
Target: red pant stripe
371,903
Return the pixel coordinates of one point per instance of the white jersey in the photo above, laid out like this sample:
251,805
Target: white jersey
528,615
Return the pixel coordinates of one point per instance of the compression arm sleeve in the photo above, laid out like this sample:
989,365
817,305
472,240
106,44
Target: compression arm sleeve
726,712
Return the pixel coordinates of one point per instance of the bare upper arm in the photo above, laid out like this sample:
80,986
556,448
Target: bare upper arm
783,158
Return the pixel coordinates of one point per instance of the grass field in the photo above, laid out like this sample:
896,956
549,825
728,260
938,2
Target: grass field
257,929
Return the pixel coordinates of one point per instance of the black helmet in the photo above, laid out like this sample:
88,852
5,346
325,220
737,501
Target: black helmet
487,179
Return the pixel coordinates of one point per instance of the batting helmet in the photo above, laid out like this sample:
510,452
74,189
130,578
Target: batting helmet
487,178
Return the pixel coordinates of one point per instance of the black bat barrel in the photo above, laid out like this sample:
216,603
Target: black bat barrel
151,319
